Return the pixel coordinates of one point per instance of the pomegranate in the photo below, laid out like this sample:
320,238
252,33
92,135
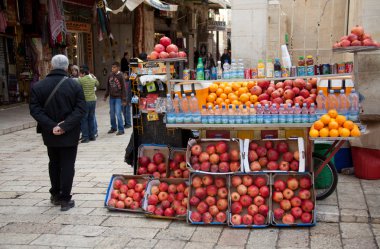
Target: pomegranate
345,43
172,48
366,36
164,55
352,37
368,42
357,30
356,43
144,161
165,41
173,54
154,55
182,54
159,48
336,45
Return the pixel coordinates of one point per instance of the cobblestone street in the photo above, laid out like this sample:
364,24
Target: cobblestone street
350,218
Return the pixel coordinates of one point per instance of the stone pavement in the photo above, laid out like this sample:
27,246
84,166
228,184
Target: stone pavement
350,218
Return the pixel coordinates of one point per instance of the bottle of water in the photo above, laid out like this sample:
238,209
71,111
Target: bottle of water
211,115
267,118
217,115
282,114
332,101
290,114
179,117
245,115
170,115
274,113
252,115
231,115
304,114
353,114
312,114
219,71
233,70
194,108
187,119
241,69
297,114
224,115
204,116
344,103
321,104
226,70
260,114
238,117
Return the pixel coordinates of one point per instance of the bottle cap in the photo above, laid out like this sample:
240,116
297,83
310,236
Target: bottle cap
301,58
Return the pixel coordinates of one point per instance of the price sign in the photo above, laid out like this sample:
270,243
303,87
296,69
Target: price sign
152,116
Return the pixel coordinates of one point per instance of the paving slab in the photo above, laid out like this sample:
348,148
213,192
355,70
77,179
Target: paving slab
74,211
29,247
263,238
373,200
132,232
66,240
208,234
233,237
197,245
30,228
94,204
142,243
325,241
293,238
327,213
174,233
35,218
79,220
18,202
112,242
136,222
355,230
22,210
88,231
354,215
332,200
367,243
326,228
17,238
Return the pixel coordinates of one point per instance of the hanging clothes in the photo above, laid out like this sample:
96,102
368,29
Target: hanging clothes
3,21
57,21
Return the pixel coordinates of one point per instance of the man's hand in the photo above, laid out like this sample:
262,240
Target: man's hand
58,131
124,103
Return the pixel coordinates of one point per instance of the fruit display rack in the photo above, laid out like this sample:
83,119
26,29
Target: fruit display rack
355,49
239,126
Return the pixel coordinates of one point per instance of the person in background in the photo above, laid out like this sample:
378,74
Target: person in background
127,107
60,127
115,89
124,63
88,83
209,61
143,56
225,57
74,72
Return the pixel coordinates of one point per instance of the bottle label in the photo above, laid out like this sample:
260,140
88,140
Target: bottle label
277,74
224,120
204,119
312,118
281,118
200,74
260,119
218,119
267,119
301,71
245,120
211,119
179,118
304,118
297,118
252,119
238,119
231,119
289,118
170,118
310,70
274,118
261,72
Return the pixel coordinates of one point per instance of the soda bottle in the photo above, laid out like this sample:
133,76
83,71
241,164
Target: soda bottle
187,117
309,65
252,115
260,114
194,108
204,116
200,70
210,115
219,71
290,114
231,115
224,115
217,115
321,104
312,114
269,69
297,114
301,71
304,114
277,68
226,70
238,117
274,113
213,73
353,114
344,103
245,115
170,114
332,101
267,116
260,69
282,114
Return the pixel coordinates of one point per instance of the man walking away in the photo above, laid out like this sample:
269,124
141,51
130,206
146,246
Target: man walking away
124,63
115,89
88,84
58,105
127,107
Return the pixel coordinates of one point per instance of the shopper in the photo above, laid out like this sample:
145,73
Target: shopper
209,61
124,63
225,57
58,105
74,72
115,89
88,83
127,107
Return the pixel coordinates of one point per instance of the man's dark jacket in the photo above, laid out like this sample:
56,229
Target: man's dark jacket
67,104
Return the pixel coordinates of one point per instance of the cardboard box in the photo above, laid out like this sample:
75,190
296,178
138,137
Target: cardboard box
150,149
295,144
285,177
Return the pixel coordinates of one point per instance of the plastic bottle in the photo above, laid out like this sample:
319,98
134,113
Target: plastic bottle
309,65
344,103
312,114
231,115
219,71
240,69
210,116
290,114
274,113
238,117
186,109
214,73
260,69
332,101
297,114
217,115
277,68
179,117
226,70
260,114
282,114
304,114
301,70
269,69
200,70
194,108
170,115
267,116
252,115
321,104
224,114
353,114
245,115
204,116
233,70
286,61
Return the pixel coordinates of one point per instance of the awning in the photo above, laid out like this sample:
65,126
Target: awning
132,4
223,3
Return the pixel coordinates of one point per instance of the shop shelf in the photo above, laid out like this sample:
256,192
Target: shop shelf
355,49
238,126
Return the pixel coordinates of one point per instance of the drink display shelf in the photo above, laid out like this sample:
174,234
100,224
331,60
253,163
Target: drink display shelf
323,139
355,49
237,126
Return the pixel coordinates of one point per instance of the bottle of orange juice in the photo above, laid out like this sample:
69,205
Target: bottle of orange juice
261,69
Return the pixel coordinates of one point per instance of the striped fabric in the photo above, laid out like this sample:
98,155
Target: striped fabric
88,84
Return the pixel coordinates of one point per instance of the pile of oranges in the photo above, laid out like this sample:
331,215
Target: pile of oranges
334,125
225,93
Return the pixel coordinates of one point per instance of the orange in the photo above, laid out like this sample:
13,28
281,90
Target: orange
232,97
222,85
213,88
334,133
333,125
219,91
223,96
340,119
248,103
325,119
242,90
236,86
244,98
318,125
333,113
235,102
324,132
355,132
227,90
250,84
253,98
219,101
313,133
210,98
227,101
348,124
344,132
356,127
244,84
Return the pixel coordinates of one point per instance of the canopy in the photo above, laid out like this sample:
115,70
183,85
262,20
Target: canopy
132,4
223,3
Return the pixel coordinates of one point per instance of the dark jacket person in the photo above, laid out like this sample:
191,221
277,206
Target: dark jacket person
60,122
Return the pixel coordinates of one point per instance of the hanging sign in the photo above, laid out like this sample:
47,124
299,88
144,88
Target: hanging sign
216,25
78,26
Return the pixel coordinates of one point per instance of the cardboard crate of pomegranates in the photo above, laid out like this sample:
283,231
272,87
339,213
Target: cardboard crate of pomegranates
177,164
274,155
166,198
215,156
208,199
153,159
249,200
126,193
293,199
